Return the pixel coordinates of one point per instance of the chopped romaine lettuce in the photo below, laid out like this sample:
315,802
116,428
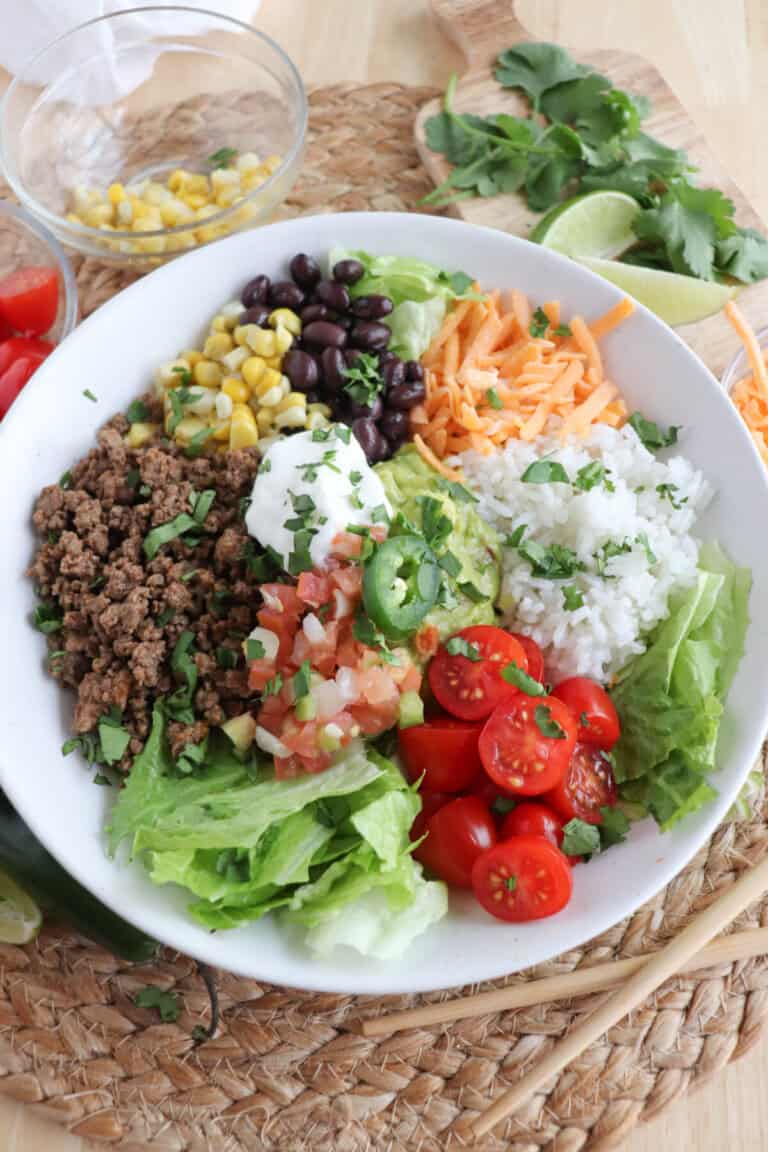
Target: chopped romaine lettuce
322,848
670,699
419,291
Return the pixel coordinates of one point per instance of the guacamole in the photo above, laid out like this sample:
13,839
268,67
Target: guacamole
469,553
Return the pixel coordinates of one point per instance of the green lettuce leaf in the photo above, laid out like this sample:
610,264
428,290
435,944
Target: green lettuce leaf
670,698
414,325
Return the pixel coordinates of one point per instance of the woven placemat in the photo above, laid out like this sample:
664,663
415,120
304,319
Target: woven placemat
283,1074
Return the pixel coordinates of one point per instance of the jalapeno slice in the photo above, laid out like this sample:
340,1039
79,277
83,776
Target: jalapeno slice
401,582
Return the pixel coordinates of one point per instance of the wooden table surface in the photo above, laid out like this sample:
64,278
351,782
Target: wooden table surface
713,53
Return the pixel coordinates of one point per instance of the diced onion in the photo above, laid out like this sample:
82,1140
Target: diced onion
343,603
328,699
347,683
268,641
313,629
270,744
270,600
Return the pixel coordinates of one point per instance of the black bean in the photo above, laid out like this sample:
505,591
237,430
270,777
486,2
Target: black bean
256,314
373,410
370,335
313,397
305,271
371,307
348,271
393,373
301,369
351,355
386,357
286,294
312,312
324,334
368,437
344,322
333,294
255,291
414,370
395,425
332,364
406,395
384,449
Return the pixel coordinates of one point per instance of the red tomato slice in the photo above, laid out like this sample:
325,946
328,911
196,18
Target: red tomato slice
531,818
527,743
28,347
498,799
587,785
13,380
457,834
29,299
444,750
593,708
533,655
525,878
471,688
431,802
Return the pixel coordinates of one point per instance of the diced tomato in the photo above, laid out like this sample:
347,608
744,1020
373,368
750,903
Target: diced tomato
29,299
349,581
259,672
314,588
13,380
347,545
282,597
427,641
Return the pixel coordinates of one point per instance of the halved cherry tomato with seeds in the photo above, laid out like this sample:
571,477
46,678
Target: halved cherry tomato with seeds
587,785
457,834
444,751
470,686
593,708
533,655
524,878
526,744
29,299
532,818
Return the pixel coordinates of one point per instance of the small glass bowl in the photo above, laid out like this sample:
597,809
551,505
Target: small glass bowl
137,94
24,241
739,366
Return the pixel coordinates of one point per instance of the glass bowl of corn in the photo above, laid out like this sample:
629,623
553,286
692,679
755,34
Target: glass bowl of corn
134,146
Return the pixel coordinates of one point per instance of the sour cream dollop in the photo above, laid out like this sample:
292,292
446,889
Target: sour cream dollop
321,479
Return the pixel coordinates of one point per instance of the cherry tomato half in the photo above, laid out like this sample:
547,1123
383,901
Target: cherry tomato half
525,878
587,785
470,687
29,299
13,380
26,347
593,708
457,834
444,750
532,818
533,654
526,744
498,799
430,803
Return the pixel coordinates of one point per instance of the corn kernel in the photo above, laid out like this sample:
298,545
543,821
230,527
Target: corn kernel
254,179
234,360
292,400
196,183
157,194
217,345
253,370
169,374
152,244
315,420
269,380
243,332
194,200
261,341
224,405
124,213
115,193
232,311
224,178
243,432
291,418
207,373
247,161
174,212
200,401
218,324
235,389
226,197
272,163
177,179
98,215
265,418
320,410
140,209
188,427
221,431
205,211
285,318
283,340
140,433
192,356
274,362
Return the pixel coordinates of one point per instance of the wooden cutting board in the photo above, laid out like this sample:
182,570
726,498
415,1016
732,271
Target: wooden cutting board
484,28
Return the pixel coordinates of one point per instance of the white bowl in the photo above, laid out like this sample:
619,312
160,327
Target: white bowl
114,353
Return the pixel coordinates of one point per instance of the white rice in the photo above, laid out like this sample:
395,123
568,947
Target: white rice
631,596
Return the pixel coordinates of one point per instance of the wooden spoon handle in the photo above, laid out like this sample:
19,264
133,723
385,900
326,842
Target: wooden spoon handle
481,29
664,964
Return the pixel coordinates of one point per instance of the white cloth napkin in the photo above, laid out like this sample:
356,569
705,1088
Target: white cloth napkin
28,26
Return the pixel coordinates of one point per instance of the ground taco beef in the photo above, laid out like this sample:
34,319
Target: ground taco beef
121,613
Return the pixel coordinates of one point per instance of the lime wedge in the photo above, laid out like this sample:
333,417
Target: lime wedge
676,299
596,225
20,917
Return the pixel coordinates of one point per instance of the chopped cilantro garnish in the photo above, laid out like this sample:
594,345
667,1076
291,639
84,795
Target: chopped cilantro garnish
137,412
226,657
514,674
273,686
90,396
254,650
458,491
493,399
65,480
573,598
362,381
301,680
539,324
472,592
222,158
47,618
553,563
651,435
544,472
165,1002
458,646
546,725
593,474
